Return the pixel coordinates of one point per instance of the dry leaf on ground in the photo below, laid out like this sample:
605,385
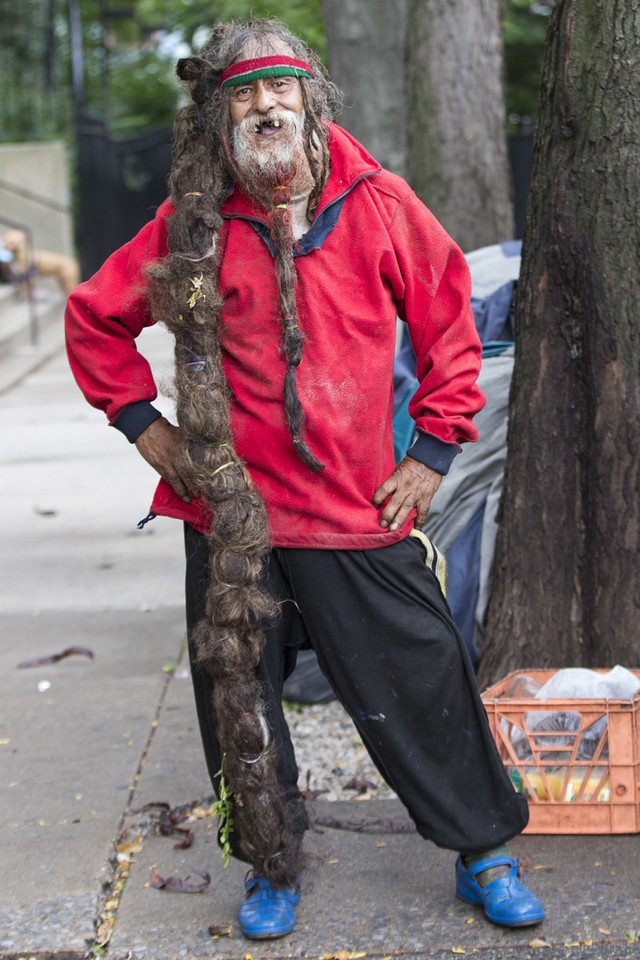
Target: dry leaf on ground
55,657
178,885
104,932
200,813
538,944
126,849
221,930
345,955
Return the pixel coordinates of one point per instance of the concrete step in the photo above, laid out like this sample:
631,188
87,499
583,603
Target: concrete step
22,358
16,317
8,291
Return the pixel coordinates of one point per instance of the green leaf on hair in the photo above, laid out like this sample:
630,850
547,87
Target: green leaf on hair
223,808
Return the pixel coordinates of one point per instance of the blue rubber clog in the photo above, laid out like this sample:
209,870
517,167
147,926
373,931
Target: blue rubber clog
506,901
267,913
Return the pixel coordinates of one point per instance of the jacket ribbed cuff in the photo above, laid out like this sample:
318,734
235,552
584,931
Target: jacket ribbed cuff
433,452
135,418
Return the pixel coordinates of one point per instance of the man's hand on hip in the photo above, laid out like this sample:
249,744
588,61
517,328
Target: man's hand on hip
410,485
160,444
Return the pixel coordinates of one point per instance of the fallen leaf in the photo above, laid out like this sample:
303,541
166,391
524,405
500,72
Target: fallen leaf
574,943
458,950
167,828
104,932
248,956
588,943
538,944
357,956
42,823
200,813
631,936
147,884
598,863
362,786
5,741
340,955
128,848
178,885
604,930
333,861
309,794
216,930
380,844
470,920
613,873
78,796
56,657
111,904
14,783
540,866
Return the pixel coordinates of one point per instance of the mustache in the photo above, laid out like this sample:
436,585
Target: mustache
281,118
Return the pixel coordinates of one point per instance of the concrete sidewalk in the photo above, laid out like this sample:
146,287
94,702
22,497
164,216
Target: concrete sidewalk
85,741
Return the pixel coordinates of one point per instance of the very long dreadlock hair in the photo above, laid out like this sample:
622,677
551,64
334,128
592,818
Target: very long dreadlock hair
183,294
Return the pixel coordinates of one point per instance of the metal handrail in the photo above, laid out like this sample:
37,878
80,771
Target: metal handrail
34,197
34,332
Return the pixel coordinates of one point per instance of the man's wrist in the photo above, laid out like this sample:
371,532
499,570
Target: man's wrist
434,453
135,418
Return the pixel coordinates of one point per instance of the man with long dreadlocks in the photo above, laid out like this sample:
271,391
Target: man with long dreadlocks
280,263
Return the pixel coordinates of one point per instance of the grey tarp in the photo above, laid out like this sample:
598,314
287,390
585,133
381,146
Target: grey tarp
476,476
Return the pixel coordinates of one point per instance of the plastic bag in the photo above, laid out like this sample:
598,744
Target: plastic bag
576,682
546,721
522,687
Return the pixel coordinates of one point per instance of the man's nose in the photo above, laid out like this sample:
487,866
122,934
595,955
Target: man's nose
265,97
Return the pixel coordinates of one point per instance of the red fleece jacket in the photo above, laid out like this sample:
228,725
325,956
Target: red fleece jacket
374,251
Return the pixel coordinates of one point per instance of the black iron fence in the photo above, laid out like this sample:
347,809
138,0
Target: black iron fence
121,184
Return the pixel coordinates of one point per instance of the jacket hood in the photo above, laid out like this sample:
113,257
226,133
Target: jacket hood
349,163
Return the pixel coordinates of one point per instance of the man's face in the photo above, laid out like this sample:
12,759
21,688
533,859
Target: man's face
268,118
256,101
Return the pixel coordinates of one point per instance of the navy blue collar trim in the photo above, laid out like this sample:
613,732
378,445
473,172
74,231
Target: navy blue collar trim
325,222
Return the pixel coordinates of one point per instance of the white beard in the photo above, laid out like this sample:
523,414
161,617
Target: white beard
286,148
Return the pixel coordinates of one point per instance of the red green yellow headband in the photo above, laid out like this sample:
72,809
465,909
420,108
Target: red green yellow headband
247,70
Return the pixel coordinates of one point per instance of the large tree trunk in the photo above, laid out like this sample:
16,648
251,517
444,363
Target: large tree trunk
457,146
366,49
567,566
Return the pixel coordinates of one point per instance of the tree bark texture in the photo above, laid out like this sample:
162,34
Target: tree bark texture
566,579
365,40
456,133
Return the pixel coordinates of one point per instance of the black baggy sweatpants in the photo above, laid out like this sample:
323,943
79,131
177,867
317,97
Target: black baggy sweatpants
385,639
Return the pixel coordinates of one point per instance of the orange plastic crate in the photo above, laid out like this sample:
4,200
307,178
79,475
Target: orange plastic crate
585,798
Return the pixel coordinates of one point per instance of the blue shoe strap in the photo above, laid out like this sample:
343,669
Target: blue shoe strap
490,862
